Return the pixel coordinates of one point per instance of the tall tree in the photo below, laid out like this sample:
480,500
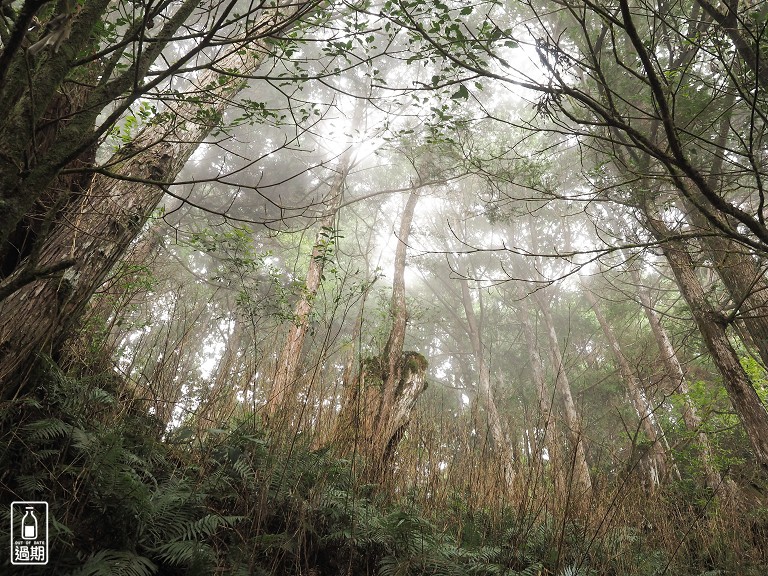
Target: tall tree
377,408
32,78
119,201
547,433
281,396
678,382
656,460
501,441
713,327
403,379
580,474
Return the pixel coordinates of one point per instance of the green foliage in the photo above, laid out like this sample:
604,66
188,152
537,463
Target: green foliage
116,562
124,500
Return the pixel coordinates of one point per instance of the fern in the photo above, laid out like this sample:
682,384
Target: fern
207,526
47,429
116,563
182,552
576,571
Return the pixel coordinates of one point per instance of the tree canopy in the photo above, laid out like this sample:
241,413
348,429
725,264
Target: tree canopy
384,286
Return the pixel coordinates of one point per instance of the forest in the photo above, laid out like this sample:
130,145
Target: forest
384,287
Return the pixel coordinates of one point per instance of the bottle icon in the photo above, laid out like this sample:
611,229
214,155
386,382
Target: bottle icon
29,524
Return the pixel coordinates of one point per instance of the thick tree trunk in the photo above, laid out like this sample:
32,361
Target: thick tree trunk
500,440
377,407
580,469
39,316
64,190
21,111
357,427
713,325
655,460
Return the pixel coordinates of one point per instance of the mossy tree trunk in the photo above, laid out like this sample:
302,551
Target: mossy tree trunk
377,407
359,424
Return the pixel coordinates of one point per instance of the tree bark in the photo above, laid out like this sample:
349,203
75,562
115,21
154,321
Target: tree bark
580,469
655,460
39,316
743,279
713,325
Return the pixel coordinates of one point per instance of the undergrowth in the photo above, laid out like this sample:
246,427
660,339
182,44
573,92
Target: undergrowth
126,498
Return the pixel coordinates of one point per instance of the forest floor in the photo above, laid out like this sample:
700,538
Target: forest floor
125,498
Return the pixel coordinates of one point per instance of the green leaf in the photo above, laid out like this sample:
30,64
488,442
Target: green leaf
461,94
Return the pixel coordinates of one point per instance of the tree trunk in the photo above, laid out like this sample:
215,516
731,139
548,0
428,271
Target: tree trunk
712,326
547,435
22,178
356,427
485,391
393,350
744,280
580,469
52,202
679,384
281,397
655,459
21,110
377,406
40,315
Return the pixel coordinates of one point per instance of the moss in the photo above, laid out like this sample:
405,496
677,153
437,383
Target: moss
415,362
374,370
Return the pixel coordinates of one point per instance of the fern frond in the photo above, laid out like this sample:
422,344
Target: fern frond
183,552
83,440
207,525
243,469
47,429
31,484
100,396
116,563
